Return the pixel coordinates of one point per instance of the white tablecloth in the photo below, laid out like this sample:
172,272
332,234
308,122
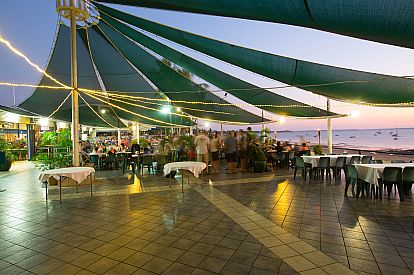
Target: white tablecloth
314,160
78,174
194,167
371,172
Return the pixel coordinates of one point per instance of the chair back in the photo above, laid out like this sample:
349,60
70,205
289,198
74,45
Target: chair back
281,156
408,174
355,159
398,161
366,159
351,172
304,153
94,159
291,155
376,161
299,163
324,162
340,162
391,174
110,157
147,159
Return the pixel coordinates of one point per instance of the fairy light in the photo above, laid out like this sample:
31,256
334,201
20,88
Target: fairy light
9,84
22,55
90,107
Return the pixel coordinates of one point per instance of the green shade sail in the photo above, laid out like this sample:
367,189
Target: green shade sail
333,82
44,102
382,21
237,87
173,84
118,75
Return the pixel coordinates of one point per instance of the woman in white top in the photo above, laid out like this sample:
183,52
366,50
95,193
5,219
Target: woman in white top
214,149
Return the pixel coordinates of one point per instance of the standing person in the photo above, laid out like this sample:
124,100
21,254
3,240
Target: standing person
202,142
231,152
214,149
243,150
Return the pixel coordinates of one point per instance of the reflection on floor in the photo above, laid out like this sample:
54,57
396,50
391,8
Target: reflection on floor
139,224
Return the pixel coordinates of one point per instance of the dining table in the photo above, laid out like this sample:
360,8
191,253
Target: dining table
314,160
372,172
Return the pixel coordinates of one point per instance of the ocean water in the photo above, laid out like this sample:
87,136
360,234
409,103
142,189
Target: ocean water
402,139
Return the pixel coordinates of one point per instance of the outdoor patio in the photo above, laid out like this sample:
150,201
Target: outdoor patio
238,224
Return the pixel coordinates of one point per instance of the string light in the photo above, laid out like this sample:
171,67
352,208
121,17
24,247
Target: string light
61,104
32,86
19,53
93,110
121,95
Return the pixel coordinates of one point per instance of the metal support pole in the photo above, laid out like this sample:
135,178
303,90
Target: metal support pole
221,131
329,126
137,131
263,124
75,106
191,126
119,137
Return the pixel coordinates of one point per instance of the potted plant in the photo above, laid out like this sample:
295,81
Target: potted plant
257,158
6,157
317,149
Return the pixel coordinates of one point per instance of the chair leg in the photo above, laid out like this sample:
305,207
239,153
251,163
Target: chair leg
380,191
400,191
294,173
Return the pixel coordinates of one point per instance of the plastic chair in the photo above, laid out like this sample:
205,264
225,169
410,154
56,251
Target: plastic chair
147,162
291,158
339,165
281,160
376,161
351,177
355,160
95,161
398,161
300,164
366,159
324,165
408,179
391,176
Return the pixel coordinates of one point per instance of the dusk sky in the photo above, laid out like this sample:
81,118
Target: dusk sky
30,26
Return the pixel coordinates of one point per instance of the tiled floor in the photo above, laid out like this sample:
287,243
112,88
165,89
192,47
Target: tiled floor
243,224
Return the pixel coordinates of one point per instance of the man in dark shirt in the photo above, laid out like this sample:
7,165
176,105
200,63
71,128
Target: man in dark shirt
279,148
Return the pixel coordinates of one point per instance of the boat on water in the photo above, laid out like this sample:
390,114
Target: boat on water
352,137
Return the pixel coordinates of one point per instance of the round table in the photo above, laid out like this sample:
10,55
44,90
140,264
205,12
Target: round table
78,174
195,167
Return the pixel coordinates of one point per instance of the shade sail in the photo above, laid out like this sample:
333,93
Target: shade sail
333,82
237,87
173,84
118,75
44,102
382,21
89,117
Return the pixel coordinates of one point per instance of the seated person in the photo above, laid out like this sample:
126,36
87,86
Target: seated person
279,147
304,147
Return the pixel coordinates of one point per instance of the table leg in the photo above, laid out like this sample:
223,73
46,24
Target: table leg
90,176
202,178
47,182
60,189
76,184
182,180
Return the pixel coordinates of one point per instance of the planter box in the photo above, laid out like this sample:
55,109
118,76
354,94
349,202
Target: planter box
259,166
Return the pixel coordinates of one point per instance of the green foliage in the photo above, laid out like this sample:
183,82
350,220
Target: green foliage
61,139
256,153
48,162
143,143
4,147
64,138
317,149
